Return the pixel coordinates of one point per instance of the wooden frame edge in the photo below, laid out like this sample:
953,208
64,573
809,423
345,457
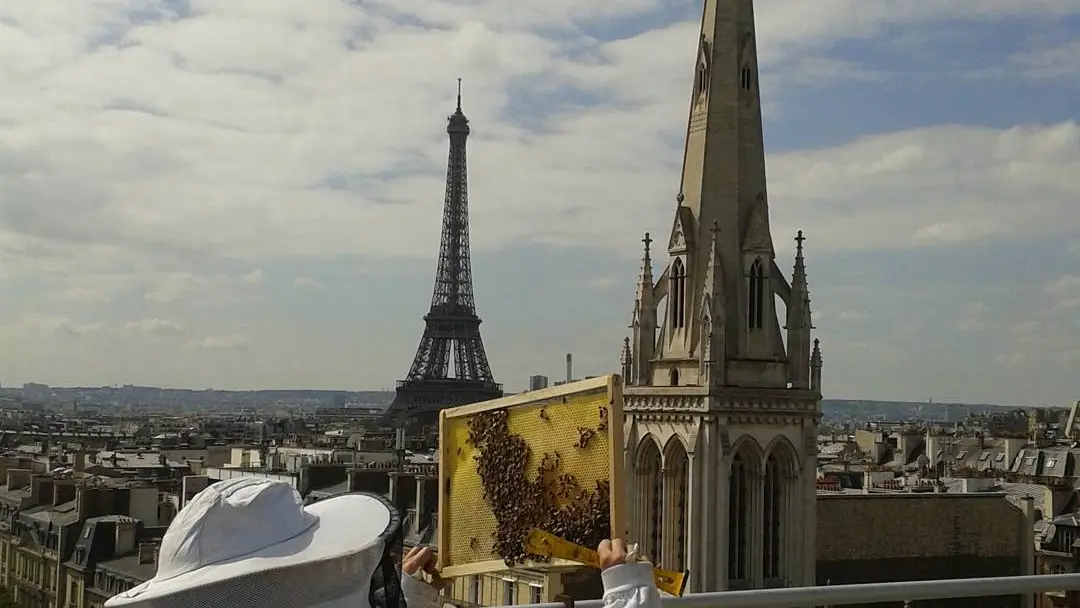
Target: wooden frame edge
443,543
617,488
497,565
563,390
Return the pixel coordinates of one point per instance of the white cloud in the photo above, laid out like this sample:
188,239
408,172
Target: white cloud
229,119
255,277
224,342
55,325
1058,64
186,285
974,317
154,326
307,282
1065,291
935,185
81,294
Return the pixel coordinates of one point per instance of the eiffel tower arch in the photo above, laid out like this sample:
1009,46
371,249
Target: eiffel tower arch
450,367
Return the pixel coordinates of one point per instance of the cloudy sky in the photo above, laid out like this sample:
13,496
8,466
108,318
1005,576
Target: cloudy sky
247,194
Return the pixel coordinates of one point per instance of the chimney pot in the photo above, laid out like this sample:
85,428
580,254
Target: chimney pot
147,553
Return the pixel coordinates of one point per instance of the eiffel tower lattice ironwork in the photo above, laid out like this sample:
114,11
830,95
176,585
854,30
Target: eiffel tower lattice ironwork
452,328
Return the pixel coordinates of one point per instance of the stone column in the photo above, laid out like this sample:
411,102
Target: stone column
807,520
668,505
631,492
720,494
789,528
693,527
640,508
421,515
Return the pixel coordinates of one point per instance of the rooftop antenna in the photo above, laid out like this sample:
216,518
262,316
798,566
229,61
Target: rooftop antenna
459,94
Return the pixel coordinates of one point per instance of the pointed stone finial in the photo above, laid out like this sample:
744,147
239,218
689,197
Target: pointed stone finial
680,198
648,241
799,241
715,228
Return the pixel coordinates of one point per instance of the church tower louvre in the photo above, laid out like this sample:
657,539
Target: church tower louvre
722,398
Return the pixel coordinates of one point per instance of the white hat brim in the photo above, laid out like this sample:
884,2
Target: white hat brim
347,525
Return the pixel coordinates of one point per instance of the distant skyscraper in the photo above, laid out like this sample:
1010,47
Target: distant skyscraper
537,383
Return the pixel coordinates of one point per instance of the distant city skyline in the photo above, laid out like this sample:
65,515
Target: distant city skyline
267,216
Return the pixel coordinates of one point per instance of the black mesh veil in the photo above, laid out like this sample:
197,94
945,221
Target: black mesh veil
385,590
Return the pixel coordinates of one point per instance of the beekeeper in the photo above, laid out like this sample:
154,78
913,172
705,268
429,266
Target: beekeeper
251,543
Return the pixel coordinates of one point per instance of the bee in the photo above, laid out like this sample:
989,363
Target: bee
474,544
544,415
584,436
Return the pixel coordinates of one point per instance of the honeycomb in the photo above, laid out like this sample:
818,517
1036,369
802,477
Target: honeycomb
545,463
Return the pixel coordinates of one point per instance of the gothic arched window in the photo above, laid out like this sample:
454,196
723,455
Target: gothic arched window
738,519
756,298
678,294
774,501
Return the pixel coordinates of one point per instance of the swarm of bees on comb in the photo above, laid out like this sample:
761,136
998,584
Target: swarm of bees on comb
551,499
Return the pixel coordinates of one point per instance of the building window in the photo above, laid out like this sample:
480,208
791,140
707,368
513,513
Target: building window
756,307
773,504
536,594
678,294
657,496
509,593
746,78
474,589
738,519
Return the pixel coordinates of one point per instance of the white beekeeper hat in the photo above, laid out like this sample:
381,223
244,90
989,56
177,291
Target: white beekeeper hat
251,543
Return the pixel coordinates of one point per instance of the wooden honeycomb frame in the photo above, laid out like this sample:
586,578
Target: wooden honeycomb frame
567,406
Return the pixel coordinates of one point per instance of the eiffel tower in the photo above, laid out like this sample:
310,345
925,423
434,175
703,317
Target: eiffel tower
452,328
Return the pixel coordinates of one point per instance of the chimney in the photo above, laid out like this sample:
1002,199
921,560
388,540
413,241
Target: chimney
79,461
41,490
569,367
18,478
147,553
125,536
63,492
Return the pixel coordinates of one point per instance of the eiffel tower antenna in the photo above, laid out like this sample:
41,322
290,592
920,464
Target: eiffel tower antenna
451,327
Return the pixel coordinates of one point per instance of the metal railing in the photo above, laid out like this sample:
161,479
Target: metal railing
907,593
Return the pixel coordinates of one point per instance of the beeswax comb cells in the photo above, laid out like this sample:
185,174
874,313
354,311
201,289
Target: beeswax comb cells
551,459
